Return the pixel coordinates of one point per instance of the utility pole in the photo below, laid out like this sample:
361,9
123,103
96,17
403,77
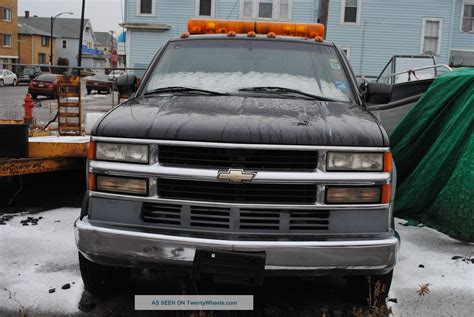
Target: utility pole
81,36
51,36
323,14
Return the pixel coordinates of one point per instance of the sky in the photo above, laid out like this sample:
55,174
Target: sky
105,15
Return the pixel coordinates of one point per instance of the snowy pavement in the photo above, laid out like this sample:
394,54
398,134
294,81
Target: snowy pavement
38,260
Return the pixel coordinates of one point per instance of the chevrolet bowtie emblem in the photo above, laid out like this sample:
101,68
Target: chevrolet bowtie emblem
236,176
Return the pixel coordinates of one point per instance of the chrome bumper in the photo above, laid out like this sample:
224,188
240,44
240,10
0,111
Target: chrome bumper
137,249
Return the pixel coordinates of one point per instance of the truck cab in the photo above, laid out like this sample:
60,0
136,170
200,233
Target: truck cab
246,143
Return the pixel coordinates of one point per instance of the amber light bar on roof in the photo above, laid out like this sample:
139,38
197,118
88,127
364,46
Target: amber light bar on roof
212,26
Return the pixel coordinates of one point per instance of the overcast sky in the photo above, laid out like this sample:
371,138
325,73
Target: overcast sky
104,14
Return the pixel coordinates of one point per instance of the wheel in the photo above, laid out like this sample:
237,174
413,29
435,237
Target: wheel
89,91
14,82
2,83
372,289
34,96
101,280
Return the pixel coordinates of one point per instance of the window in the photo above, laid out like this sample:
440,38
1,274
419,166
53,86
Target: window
467,21
7,40
205,8
64,43
265,9
284,6
350,11
431,36
145,7
247,9
45,41
229,65
6,14
41,58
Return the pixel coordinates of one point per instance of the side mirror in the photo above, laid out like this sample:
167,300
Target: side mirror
127,85
378,93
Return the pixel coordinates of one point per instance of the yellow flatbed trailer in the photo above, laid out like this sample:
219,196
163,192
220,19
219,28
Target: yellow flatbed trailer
48,154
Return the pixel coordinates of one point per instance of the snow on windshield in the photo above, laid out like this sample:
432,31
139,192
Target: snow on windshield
232,82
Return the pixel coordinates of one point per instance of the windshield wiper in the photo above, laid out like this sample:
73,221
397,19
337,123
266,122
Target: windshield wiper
285,91
179,89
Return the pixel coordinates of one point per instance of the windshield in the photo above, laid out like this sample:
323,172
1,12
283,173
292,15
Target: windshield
47,78
227,66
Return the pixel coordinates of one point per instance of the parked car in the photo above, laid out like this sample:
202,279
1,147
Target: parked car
7,77
231,163
44,85
86,72
113,75
29,73
99,83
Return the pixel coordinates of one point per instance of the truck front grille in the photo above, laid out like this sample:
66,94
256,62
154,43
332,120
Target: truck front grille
203,157
236,220
237,193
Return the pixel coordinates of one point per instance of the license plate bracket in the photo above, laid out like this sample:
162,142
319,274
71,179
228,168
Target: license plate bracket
229,267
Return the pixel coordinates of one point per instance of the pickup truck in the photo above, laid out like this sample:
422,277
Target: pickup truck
241,155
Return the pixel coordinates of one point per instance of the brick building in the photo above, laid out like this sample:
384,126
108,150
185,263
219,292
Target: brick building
8,32
34,45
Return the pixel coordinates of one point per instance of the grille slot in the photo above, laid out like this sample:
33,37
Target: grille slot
162,214
235,220
209,217
237,193
259,219
309,220
201,157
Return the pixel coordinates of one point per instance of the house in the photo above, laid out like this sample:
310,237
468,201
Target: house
370,31
34,45
8,33
107,43
67,32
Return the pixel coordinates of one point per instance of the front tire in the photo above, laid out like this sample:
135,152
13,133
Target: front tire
14,82
372,289
2,83
101,280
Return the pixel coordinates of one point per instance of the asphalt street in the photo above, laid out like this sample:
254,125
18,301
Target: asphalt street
12,98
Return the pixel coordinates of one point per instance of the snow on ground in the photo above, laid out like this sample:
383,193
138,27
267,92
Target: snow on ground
36,258
452,281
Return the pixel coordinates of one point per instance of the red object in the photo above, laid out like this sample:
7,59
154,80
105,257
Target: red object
99,83
28,105
44,85
114,57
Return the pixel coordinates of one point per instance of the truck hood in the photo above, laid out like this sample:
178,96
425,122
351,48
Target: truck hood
242,119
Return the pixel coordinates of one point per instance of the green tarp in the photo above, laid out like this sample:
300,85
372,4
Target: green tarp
433,148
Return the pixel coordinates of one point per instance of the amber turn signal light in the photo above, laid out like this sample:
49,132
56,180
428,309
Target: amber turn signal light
91,150
387,162
354,195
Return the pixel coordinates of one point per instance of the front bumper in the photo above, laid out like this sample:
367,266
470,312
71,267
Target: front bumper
138,249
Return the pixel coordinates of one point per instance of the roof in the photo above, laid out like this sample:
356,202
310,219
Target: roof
146,26
281,38
63,27
27,29
102,38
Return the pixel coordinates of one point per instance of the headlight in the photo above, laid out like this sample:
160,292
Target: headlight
133,153
354,195
341,161
122,185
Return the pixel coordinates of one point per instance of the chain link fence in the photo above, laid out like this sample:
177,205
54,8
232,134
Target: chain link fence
98,90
